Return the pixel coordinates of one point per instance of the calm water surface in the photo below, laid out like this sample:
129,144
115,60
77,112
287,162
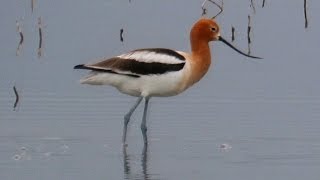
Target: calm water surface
245,120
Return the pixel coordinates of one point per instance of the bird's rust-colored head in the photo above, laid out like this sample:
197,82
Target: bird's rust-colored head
206,30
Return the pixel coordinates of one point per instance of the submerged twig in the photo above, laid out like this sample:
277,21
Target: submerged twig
204,10
253,6
305,14
121,35
40,37
248,34
232,33
220,8
263,3
17,97
21,37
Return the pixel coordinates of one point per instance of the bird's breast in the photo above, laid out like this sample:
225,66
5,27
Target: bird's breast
198,68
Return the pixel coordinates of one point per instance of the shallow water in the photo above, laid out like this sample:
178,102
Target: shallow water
247,119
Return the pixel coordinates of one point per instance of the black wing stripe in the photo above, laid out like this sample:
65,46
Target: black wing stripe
144,68
82,66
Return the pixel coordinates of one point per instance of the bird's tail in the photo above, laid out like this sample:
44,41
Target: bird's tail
80,66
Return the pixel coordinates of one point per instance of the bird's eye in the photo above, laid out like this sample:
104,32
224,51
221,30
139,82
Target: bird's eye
213,29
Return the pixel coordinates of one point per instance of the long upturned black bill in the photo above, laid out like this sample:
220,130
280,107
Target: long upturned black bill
230,45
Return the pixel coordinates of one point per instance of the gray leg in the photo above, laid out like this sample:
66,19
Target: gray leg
127,119
144,119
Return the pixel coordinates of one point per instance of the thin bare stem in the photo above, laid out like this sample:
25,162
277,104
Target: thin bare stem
263,3
33,2
204,2
40,37
19,29
305,14
17,97
121,35
232,33
253,6
248,35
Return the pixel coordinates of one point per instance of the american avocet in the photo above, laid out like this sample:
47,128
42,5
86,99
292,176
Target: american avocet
157,71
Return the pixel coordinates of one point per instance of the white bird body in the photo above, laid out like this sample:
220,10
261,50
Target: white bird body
165,84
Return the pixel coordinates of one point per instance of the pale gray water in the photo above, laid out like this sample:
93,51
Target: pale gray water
267,110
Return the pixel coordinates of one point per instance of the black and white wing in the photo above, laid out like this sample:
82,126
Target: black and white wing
140,62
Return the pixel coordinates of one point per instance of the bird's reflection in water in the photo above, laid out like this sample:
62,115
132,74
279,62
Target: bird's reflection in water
144,164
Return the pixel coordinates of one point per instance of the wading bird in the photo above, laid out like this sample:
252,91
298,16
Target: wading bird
159,72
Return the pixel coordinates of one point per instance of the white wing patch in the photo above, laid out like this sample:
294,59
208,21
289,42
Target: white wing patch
150,57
